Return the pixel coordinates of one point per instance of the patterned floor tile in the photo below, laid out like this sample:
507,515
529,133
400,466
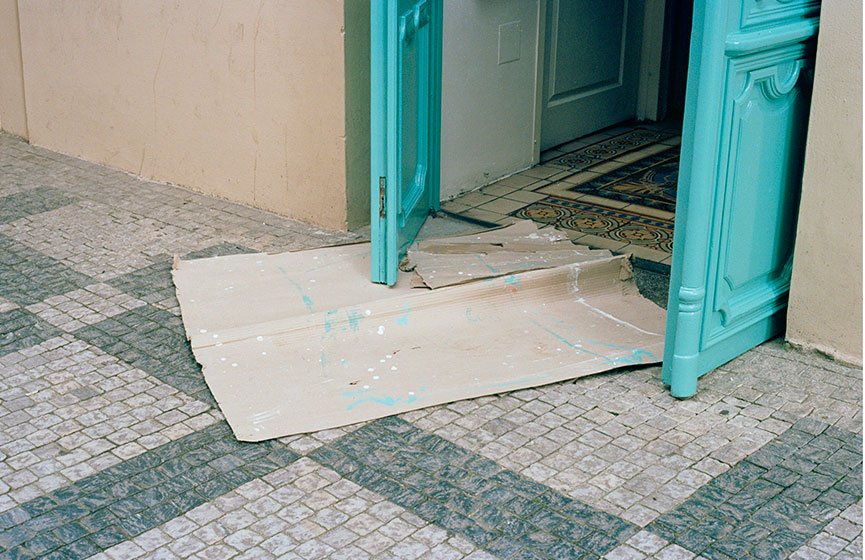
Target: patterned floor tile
595,219
609,148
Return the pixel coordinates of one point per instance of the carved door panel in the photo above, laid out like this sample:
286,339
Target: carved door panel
743,146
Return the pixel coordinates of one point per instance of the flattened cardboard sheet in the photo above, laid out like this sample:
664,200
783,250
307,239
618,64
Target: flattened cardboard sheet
302,341
516,248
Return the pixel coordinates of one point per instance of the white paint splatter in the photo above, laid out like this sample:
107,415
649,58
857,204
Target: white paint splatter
367,312
381,329
234,364
259,338
202,331
375,377
616,319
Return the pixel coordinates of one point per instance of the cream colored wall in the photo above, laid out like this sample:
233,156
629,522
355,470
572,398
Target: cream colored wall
487,108
825,311
13,115
241,100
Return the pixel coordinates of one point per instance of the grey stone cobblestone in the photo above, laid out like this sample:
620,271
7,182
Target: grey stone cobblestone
134,496
152,340
32,201
303,510
68,410
104,414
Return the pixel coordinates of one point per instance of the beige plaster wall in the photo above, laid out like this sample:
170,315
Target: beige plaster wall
488,109
238,99
825,311
13,114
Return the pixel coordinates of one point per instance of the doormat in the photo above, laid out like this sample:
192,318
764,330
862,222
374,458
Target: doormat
302,341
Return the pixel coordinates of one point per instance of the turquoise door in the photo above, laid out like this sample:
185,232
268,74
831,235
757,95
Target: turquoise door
405,122
746,117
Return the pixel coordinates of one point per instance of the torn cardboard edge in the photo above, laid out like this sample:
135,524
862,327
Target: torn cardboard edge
297,342
518,247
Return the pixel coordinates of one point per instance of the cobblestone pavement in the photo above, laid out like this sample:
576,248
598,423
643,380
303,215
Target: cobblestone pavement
111,446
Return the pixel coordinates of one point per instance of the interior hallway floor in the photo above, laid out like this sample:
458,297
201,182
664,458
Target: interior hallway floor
112,447
615,189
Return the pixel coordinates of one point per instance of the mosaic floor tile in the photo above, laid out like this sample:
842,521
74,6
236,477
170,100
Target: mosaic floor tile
30,202
650,181
595,219
610,148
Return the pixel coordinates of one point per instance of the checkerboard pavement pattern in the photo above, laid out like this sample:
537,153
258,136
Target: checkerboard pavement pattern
111,446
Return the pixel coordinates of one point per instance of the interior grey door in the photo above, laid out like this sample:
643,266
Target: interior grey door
591,66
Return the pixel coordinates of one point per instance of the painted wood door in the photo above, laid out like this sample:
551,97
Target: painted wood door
746,116
405,122
591,66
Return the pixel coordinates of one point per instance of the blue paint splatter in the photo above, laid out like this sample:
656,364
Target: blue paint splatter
354,317
514,281
471,317
486,264
403,321
328,325
385,400
306,301
636,357
568,342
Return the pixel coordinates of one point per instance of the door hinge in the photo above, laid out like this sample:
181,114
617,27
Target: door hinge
382,197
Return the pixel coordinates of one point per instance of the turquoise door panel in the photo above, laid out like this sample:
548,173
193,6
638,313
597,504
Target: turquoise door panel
743,146
405,121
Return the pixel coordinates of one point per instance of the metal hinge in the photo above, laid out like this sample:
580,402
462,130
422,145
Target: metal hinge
382,189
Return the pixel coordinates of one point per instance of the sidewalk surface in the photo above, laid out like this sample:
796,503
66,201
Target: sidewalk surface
111,445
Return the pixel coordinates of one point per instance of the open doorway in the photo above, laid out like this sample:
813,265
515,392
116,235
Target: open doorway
609,179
